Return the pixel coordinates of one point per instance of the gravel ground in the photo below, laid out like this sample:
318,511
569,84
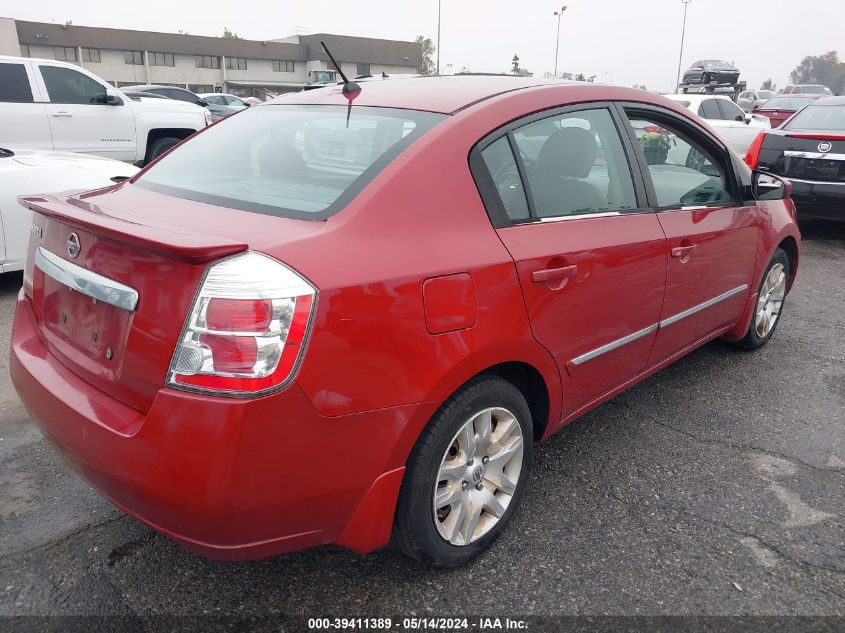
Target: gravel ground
716,487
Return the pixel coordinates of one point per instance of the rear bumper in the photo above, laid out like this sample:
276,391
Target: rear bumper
822,200
226,478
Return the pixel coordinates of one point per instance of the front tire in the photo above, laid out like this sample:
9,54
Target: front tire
770,298
465,475
159,146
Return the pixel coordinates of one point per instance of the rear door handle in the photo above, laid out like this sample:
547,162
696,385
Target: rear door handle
62,115
683,251
553,274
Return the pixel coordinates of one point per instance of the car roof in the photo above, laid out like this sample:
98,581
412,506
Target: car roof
433,94
145,86
829,100
696,98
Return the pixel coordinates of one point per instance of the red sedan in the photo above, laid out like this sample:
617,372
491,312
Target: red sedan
326,320
778,109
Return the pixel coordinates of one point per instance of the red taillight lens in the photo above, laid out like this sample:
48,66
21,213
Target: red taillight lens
753,154
653,129
245,315
247,328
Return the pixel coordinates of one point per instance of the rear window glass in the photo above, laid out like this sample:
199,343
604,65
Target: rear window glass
304,162
819,117
785,103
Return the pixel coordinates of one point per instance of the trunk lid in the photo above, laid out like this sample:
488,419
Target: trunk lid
805,155
129,241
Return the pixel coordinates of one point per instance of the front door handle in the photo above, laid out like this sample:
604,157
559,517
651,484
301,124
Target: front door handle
553,274
683,252
62,114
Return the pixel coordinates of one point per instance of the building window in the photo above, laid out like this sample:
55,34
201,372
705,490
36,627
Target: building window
282,67
363,69
199,89
64,53
207,61
91,55
236,63
135,58
161,59
25,50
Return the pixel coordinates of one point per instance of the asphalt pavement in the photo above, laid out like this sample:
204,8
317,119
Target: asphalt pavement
716,487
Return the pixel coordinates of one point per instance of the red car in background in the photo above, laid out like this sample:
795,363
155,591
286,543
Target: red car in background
781,107
347,317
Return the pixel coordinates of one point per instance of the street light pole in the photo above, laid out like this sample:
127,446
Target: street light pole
683,33
438,36
559,14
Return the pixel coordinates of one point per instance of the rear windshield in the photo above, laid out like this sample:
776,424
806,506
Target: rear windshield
815,90
765,94
819,117
293,161
785,103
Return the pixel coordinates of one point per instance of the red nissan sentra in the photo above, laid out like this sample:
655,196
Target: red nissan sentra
323,321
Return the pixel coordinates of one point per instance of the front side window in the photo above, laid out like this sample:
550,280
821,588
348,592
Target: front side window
304,162
575,164
709,109
731,111
14,84
683,171
70,86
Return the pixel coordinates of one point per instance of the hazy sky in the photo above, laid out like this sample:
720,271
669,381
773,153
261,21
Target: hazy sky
632,41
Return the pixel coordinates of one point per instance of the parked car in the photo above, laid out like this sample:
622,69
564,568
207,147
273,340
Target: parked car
46,104
722,114
711,70
230,104
750,99
321,321
809,150
179,94
807,89
29,171
778,109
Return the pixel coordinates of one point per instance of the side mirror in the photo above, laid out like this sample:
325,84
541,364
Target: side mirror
748,118
112,98
766,186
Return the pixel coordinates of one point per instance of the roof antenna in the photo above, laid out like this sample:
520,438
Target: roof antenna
350,89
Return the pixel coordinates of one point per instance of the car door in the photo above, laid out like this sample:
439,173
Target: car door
737,130
591,260
711,233
81,119
23,118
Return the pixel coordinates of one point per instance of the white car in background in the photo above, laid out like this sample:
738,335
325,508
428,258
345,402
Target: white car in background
738,128
48,104
24,172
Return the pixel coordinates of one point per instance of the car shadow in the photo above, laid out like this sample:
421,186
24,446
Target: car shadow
822,230
10,283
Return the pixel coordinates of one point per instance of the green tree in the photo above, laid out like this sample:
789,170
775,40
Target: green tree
230,35
768,85
821,69
427,66
515,64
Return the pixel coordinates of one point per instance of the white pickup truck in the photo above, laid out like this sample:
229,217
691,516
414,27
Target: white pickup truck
46,104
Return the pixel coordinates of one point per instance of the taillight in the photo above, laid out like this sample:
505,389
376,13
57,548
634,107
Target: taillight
247,328
753,155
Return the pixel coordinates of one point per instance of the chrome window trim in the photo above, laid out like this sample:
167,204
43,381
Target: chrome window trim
790,153
579,216
814,182
86,281
703,306
614,344
630,338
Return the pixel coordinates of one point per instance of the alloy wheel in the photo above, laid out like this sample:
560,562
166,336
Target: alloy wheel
770,300
478,476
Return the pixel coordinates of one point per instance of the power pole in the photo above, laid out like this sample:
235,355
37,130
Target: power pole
683,33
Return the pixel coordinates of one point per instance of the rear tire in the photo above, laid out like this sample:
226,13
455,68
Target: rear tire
466,474
770,299
705,78
159,146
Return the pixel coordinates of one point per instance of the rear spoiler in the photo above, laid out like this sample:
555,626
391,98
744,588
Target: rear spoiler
189,247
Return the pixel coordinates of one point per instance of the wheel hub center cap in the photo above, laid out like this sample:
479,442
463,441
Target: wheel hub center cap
477,474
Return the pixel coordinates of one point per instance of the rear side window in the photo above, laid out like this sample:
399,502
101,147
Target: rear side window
819,117
69,86
14,84
294,161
